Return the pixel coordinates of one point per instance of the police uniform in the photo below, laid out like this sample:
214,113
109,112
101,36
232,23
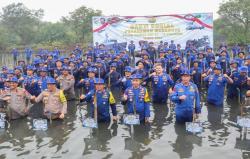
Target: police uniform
55,103
16,106
67,84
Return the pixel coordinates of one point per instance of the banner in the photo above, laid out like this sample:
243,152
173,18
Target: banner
181,28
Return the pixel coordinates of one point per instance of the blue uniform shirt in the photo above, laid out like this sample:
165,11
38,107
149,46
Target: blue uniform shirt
184,108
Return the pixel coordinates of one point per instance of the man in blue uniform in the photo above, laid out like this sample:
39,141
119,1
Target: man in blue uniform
31,82
126,82
161,83
103,100
239,86
137,98
186,97
28,54
216,86
112,78
88,83
43,77
15,54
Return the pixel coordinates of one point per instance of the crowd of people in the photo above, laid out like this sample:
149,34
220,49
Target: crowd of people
100,74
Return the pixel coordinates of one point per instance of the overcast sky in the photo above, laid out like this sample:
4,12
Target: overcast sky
55,9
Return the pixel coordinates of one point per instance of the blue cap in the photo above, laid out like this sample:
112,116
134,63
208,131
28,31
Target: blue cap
4,68
39,61
128,69
72,61
18,68
99,81
42,69
98,61
243,69
233,62
65,68
161,51
136,76
158,61
212,60
13,79
217,67
113,65
91,69
57,60
209,47
51,80
248,57
29,67
185,71
11,72
145,54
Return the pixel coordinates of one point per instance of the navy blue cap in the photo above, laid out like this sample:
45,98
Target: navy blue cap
99,81
51,80
136,76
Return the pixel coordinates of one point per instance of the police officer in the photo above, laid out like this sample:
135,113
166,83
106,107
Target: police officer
186,97
102,100
66,82
55,103
15,100
216,86
137,98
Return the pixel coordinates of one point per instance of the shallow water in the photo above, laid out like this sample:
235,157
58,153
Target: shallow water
221,138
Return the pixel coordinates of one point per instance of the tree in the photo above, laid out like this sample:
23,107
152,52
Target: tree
81,22
236,15
22,21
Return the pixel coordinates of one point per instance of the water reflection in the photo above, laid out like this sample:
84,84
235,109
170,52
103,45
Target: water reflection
184,142
98,139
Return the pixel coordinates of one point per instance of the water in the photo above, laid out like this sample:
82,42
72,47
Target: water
162,138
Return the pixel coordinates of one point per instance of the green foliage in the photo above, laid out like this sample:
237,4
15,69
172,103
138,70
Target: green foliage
21,21
80,21
20,27
234,22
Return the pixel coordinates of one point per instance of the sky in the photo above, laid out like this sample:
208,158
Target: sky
55,9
